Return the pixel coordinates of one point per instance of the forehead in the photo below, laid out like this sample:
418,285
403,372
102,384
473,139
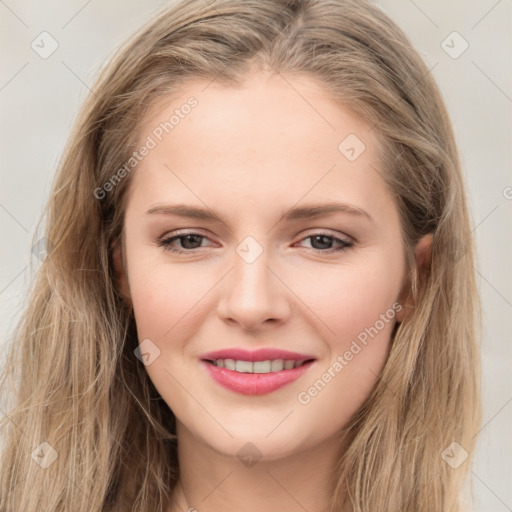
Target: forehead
270,138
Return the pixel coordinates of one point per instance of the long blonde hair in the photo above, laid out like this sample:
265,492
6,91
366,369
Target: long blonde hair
71,376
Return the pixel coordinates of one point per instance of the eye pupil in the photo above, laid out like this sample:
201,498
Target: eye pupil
327,241
186,239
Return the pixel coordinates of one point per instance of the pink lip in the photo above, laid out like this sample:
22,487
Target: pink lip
262,354
255,383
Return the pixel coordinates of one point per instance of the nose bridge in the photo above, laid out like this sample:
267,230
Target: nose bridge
251,272
253,293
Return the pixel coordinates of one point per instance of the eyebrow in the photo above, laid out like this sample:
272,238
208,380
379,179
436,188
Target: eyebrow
308,211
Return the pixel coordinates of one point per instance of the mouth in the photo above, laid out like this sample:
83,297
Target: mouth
256,373
268,366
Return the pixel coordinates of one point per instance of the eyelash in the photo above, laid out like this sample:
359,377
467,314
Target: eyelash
165,242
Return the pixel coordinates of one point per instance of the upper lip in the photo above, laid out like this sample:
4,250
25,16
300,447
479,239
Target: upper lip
262,354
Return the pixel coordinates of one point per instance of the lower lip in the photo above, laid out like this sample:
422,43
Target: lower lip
254,383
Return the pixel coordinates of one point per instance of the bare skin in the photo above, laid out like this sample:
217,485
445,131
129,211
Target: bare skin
251,153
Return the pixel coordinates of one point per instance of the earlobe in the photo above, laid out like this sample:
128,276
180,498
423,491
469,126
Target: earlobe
121,278
423,256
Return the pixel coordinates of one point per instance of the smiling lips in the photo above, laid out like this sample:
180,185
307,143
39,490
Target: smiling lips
257,372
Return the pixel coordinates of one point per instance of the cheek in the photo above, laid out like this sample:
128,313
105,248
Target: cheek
166,299
352,298
356,308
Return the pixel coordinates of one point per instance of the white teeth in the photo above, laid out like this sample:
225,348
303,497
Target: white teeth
243,366
277,365
261,366
268,366
229,363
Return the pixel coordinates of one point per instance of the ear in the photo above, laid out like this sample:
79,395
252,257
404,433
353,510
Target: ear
121,276
423,255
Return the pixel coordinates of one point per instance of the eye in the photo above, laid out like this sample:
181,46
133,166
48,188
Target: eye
321,240
191,242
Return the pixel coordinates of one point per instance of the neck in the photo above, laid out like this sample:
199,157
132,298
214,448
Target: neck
214,482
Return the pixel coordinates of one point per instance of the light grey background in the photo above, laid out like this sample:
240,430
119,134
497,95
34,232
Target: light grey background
39,99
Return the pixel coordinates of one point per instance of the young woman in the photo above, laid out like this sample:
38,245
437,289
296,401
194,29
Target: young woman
259,293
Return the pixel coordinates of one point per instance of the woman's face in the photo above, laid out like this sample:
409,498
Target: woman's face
264,266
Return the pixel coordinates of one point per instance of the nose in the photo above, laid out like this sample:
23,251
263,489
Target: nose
254,296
